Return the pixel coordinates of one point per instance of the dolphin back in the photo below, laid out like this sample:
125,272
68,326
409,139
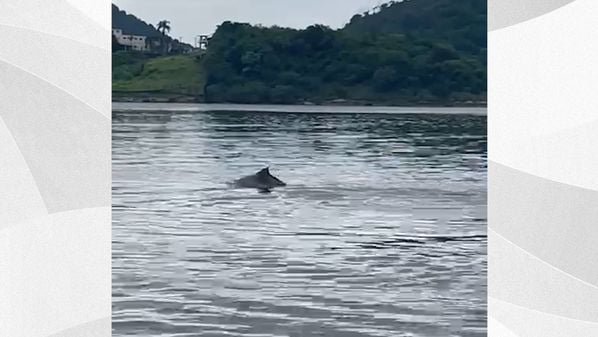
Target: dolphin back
261,180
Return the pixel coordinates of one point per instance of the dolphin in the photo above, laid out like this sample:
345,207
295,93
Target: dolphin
261,180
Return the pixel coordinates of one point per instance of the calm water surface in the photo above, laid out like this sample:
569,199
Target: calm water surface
381,230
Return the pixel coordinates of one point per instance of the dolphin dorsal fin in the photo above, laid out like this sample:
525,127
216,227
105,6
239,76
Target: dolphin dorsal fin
264,171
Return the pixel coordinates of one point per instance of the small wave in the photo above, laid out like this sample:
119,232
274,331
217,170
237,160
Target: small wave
422,240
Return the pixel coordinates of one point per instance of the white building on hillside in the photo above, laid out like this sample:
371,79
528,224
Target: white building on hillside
135,42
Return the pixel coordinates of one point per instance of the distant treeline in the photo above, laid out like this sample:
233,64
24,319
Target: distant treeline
462,23
417,51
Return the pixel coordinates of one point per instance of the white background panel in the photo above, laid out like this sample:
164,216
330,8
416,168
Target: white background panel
543,129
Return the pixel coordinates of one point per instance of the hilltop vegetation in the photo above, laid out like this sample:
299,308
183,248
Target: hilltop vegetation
461,24
130,24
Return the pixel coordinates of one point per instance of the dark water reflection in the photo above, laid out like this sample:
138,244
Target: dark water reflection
380,232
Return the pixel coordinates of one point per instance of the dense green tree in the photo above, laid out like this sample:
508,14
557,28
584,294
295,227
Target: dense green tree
385,78
283,94
249,64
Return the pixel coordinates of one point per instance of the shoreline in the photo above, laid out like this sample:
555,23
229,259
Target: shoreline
172,98
331,103
297,108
